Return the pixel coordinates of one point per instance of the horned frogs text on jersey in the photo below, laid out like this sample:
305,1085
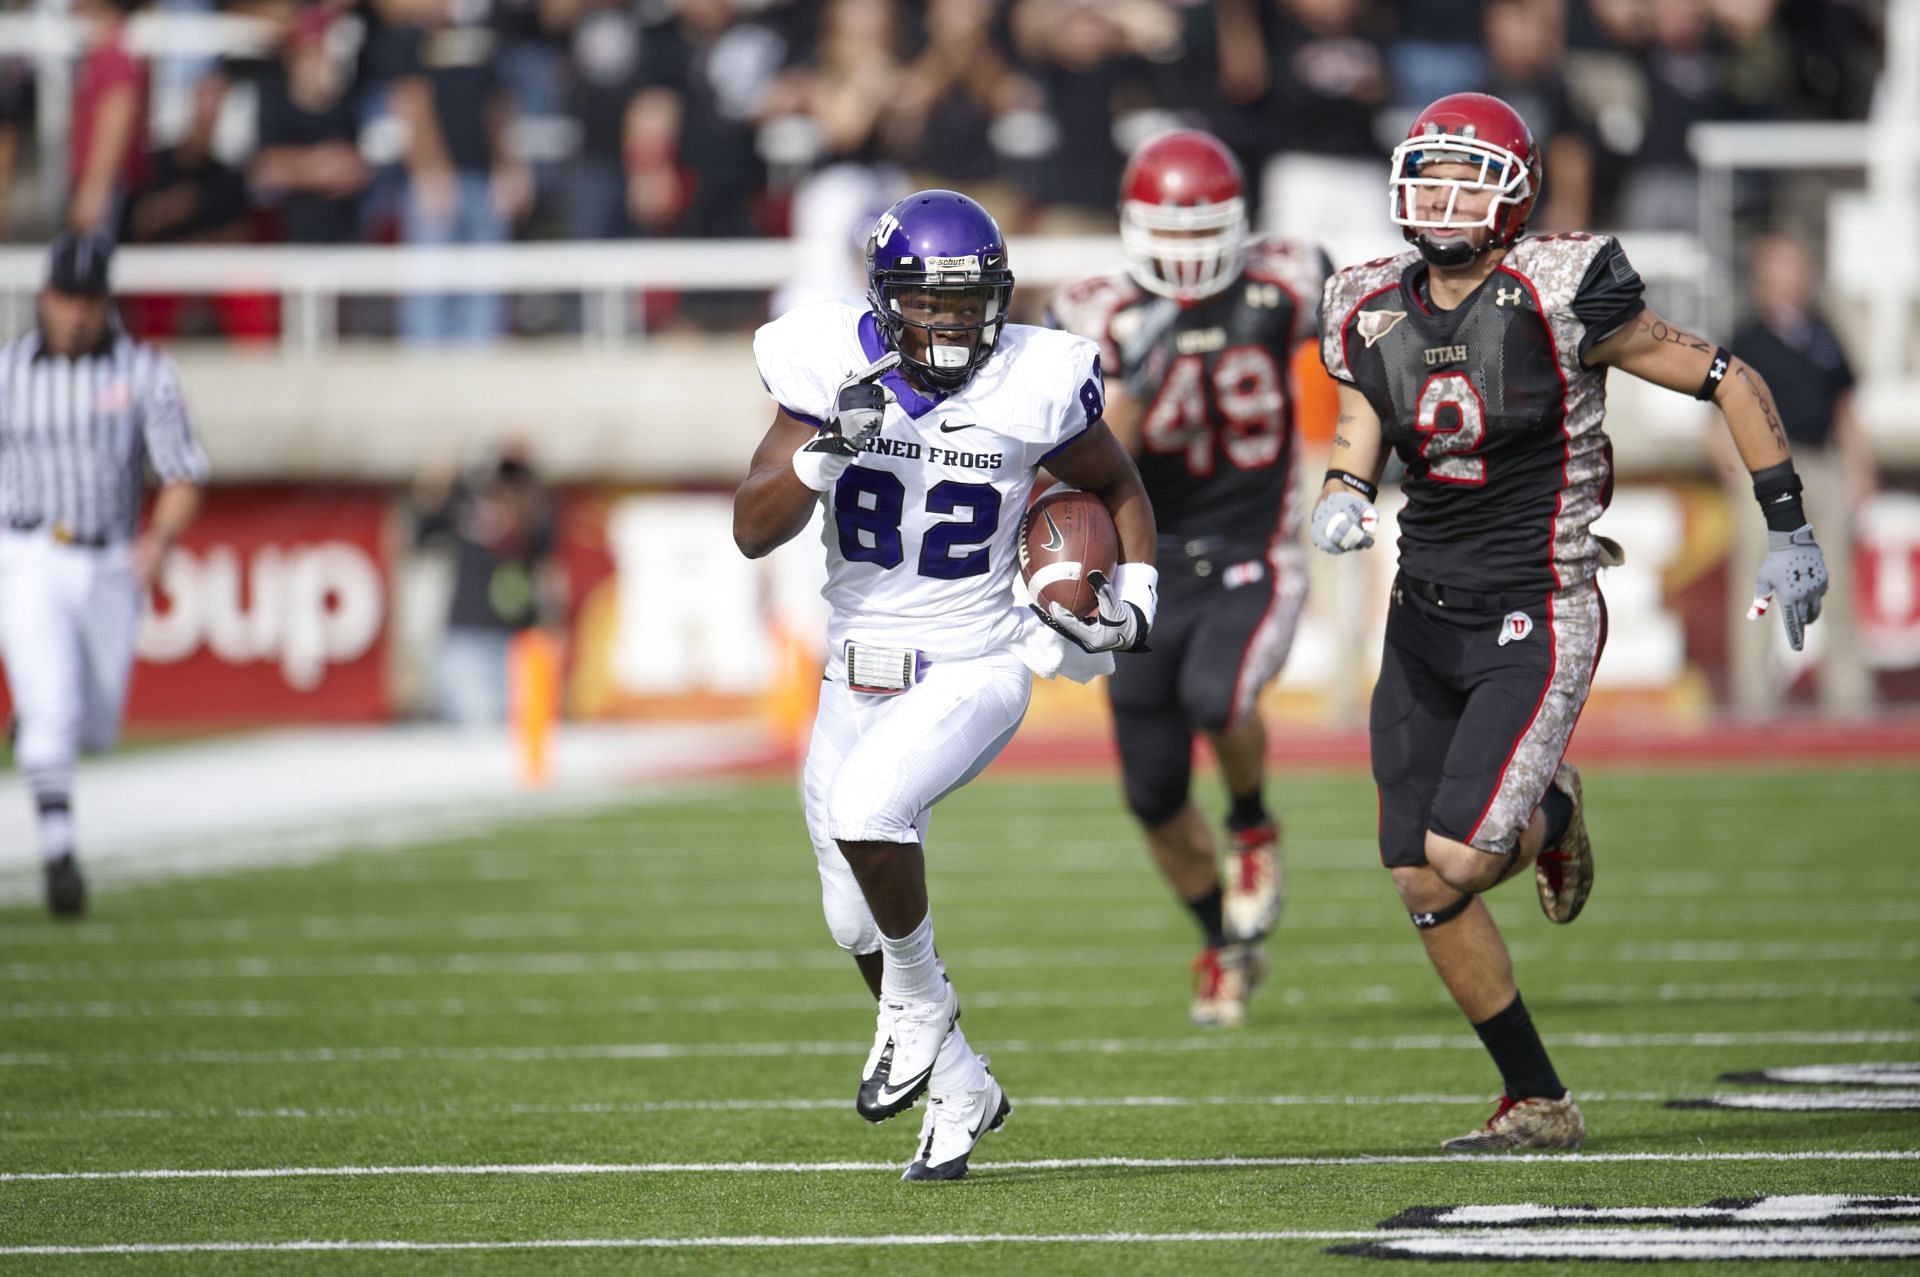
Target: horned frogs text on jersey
1491,406
1217,430
920,531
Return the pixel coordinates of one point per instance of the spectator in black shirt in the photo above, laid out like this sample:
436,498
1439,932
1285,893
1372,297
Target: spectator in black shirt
1525,41
308,159
1684,86
1091,62
464,185
960,92
603,68
691,155
498,523
1437,51
1796,351
1325,81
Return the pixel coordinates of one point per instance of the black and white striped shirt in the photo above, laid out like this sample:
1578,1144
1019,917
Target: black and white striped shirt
77,436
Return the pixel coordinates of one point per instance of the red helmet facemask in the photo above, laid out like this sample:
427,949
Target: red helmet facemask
1183,216
1471,129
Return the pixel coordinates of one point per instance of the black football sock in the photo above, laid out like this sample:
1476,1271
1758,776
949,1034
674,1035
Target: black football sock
1518,1053
1249,811
1207,910
1558,809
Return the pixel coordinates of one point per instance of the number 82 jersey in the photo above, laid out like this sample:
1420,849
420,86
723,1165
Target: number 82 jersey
920,530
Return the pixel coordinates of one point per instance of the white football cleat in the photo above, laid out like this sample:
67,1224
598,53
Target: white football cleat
953,1125
906,1042
1255,886
1224,979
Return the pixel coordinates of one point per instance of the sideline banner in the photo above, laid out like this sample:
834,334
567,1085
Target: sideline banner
273,609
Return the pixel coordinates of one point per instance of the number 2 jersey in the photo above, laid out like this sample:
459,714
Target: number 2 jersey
920,530
1215,386
1490,405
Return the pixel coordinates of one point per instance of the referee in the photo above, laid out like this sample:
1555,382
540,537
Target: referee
86,412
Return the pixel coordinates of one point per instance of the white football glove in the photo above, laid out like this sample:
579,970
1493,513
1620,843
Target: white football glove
1793,576
1124,617
1344,521
858,409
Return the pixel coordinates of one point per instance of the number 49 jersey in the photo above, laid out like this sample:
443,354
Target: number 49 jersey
1491,406
1215,386
920,531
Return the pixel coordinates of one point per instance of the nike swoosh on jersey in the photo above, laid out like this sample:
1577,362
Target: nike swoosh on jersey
947,427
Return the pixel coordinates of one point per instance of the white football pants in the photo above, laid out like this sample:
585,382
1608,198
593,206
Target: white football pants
68,618
878,764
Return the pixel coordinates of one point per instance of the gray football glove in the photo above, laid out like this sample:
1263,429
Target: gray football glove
1793,577
1344,521
858,409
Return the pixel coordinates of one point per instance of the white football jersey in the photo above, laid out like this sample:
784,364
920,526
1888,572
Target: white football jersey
921,529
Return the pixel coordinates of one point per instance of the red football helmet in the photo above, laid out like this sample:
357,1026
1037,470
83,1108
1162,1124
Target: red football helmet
1183,215
1466,128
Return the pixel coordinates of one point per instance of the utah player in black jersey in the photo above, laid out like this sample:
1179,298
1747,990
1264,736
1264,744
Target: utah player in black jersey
1481,359
1198,335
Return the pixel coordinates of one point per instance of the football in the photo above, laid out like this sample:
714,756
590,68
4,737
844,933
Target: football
1067,544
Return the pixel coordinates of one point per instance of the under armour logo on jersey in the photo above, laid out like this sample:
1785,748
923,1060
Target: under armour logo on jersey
1509,296
1375,324
1514,627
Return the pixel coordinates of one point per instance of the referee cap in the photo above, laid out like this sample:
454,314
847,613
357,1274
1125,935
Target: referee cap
79,263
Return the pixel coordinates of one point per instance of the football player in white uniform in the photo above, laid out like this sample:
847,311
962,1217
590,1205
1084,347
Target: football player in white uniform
920,421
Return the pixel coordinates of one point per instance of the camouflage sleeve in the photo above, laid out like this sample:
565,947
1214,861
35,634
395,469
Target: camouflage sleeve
1345,291
1086,308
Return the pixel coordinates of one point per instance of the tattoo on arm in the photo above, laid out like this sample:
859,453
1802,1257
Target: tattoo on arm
1340,439
1765,400
1661,330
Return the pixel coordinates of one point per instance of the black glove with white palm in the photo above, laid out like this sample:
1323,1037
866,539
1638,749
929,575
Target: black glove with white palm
859,406
1793,578
1128,604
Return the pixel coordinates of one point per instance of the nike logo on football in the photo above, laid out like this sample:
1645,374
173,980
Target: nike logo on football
948,427
1054,540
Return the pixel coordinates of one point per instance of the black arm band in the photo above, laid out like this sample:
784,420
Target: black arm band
1716,373
1777,489
1354,481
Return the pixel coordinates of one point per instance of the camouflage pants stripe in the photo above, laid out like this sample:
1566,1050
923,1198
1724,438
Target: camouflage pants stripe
1576,624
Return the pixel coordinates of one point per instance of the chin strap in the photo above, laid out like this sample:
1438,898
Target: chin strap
1446,254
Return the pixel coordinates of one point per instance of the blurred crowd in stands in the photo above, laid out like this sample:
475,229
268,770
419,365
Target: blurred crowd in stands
482,121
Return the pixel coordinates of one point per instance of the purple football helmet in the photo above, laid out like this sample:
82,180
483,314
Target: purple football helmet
937,263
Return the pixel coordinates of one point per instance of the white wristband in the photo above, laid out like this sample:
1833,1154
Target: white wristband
1139,584
819,470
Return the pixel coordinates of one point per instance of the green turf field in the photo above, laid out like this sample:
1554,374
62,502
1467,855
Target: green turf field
652,987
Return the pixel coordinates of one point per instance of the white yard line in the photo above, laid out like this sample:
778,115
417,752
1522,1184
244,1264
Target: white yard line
702,1243
1060,1046
822,957
1690,1243
800,1003
618,1107
1039,1164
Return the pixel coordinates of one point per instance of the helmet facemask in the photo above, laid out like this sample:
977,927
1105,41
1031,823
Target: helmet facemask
1499,172
1187,254
943,331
